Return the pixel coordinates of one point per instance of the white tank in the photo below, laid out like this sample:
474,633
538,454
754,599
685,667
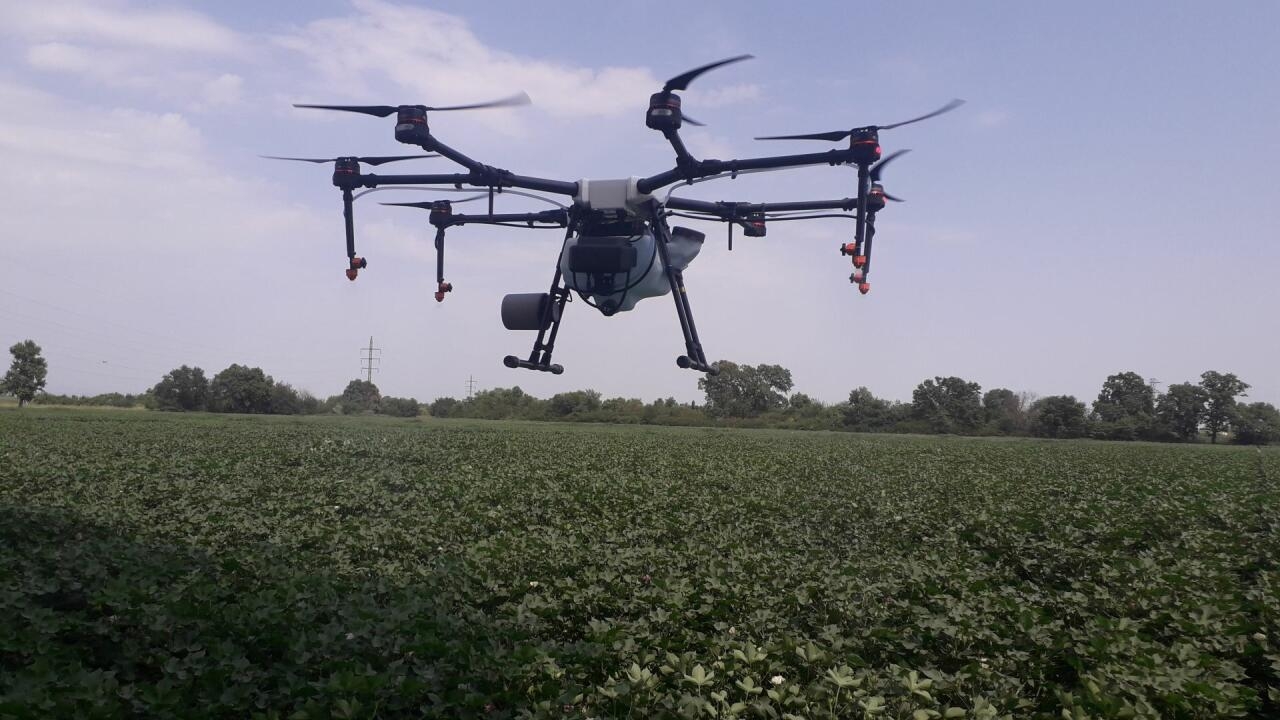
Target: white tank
639,276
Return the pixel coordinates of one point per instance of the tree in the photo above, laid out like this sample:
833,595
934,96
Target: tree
745,390
399,407
1058,416
1220,405
26,375
444,407
360,396
1125,408
183,388
505,403
865,412
1125,395
1181,409
577,402
1005,411
240,389
1256,424
285,400
948,404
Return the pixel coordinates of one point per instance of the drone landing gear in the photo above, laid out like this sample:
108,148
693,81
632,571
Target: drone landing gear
541,312
694,358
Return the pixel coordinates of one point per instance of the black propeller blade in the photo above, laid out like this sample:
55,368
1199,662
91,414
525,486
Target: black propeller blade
516,100
387,110
376,160
837,135
879,167
957,102
374,110
833,136
681,82
430,204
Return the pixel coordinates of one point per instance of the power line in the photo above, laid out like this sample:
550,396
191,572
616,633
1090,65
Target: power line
471,386
369,363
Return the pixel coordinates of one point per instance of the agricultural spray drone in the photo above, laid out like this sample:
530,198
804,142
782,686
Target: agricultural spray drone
618,248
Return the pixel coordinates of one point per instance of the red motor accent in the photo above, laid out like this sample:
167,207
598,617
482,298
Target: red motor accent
859,260
864,288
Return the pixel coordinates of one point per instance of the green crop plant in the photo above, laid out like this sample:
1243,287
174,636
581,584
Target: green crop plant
203,566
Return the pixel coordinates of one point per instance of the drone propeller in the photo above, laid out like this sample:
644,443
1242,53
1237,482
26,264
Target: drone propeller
664,107
879,167
837,135
432,204
386,110
377,160
681,81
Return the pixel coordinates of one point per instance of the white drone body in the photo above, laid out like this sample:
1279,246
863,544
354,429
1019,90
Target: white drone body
616,269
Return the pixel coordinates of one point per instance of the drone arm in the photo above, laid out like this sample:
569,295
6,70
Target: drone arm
551,217
732,210
439,147
489,178
349,221
706,168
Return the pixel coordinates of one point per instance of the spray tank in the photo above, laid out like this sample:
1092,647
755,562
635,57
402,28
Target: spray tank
615,265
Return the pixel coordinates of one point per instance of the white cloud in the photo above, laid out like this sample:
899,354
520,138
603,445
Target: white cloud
728,95
991,118
162,29
434,58
59,56
223,90
164,54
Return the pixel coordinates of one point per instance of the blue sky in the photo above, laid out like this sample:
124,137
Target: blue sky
1104,201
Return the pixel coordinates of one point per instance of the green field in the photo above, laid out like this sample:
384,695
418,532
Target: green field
156,565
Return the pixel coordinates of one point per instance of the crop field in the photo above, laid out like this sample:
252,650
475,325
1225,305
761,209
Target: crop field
155,565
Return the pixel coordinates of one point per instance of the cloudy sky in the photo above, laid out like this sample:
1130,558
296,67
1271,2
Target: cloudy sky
1105,201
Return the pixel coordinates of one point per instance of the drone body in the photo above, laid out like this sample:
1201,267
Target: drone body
613,260
618,248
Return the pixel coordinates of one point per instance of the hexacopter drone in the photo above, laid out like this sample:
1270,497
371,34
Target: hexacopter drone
618,248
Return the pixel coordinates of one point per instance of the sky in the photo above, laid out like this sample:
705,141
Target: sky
1105,201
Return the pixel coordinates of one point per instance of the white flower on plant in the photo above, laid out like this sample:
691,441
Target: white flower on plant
1259,636
733,630
534,583
351,636
777,679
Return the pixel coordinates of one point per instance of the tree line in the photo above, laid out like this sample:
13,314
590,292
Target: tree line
236,389
1127,406
242,389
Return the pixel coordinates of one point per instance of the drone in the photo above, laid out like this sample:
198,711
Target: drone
618,247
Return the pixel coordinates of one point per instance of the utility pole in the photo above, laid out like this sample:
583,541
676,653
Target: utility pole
471,386
369,362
